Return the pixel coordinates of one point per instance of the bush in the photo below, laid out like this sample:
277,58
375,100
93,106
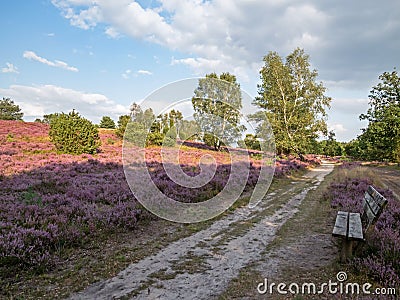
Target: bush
135,133
155,139
169,142
107,122
73,134
122,123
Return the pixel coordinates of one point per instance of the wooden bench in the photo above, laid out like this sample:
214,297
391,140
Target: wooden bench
352,227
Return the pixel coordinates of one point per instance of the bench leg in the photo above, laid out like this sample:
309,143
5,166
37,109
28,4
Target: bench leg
347,250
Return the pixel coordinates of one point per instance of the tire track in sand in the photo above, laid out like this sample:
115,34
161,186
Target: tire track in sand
201,266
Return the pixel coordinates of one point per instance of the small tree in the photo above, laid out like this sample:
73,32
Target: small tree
9,110
251,142
122,122
332,147
107,122
74,134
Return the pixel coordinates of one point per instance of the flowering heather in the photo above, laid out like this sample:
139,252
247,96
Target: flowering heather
49,201
380,255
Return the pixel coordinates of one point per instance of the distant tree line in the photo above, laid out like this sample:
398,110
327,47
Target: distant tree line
290,101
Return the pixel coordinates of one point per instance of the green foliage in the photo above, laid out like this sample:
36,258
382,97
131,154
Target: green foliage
122,122
47,118
188,130
155,139
74,134
250,142
294,102
9,110
142,128
353,149
136,133
107,122
217,102
331,147
10,137
381,139
169,142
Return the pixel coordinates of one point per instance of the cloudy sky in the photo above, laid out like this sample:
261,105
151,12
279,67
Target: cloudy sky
98,56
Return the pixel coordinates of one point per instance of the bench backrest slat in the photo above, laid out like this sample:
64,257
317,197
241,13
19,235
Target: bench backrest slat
373,205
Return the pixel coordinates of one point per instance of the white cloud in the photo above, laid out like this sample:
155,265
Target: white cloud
112,33
126,74
35,101
239,33
337,128
198,64
10,68
144,72
57,63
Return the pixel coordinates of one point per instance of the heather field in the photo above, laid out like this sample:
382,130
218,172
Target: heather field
54,206
50,202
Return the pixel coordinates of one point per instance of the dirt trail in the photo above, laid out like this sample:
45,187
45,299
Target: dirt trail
391,179
202,265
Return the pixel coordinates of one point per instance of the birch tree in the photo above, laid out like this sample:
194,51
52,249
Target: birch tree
293,101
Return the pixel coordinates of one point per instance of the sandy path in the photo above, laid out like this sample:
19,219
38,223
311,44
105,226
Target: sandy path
391,179
202,265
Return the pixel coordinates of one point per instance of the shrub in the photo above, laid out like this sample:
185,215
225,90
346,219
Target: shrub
135,133
155,139
122,123
169,142
73,134
107,122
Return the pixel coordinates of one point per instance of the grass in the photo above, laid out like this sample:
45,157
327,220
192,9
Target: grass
314,216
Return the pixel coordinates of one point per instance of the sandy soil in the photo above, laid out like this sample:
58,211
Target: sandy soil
202,265
390,178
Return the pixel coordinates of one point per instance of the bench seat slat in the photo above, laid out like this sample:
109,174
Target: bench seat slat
355,227
340,228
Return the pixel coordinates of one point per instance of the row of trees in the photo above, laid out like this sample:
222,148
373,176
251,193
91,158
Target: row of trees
291,98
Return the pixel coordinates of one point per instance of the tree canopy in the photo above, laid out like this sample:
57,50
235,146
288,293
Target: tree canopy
107,122
293,100
9,110
381,139
143,128
217,102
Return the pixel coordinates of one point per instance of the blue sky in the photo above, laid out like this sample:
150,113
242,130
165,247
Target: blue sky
99,56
